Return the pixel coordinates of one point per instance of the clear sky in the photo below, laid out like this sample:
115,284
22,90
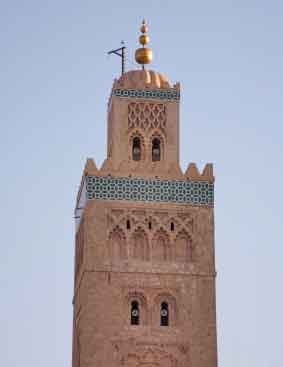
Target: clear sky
55,80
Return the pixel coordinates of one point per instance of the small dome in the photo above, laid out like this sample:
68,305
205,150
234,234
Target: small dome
140,79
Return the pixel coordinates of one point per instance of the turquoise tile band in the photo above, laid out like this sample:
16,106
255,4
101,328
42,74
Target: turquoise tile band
171,95
200,193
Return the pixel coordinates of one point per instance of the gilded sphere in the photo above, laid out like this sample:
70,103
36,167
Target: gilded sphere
144,28
143,55
144,39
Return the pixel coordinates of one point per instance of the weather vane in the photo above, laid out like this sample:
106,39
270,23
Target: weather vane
122,53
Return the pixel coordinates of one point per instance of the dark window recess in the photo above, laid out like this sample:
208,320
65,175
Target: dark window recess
156,150
128,224
149,225
136,150
172,226
135,313
164,314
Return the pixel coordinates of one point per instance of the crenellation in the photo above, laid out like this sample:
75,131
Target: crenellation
192,174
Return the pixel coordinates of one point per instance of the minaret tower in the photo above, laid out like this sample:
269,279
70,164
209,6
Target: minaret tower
144,265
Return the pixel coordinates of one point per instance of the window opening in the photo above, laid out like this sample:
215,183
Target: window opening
149,225
136,149
135,313
164,314
156,151
172,226
128,224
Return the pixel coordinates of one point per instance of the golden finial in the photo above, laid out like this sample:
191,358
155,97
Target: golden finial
143,55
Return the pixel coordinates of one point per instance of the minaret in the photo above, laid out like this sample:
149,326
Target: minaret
144,266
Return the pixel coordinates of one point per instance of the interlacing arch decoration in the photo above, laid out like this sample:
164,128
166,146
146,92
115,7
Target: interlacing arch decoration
183,247
150,236
146,116
139,245
161,247
177,224
137,146
117,244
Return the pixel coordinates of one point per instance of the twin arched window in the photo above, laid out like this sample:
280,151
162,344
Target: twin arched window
135,313
155,149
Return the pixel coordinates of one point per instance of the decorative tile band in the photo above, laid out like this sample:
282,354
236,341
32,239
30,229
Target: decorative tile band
199,193
171,95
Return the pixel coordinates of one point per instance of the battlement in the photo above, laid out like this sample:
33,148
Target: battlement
191,187
174,172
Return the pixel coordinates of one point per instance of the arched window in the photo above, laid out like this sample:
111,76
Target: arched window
136,149
139,245
135,313
165,311
161,250
183,248
117,245
156,150
164,314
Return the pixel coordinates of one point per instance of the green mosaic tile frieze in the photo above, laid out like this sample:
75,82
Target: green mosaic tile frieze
199,193
172,95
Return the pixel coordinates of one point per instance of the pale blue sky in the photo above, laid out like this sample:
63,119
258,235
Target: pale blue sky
55,80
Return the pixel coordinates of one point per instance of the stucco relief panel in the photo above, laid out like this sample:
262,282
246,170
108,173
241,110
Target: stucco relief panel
146,116
150,235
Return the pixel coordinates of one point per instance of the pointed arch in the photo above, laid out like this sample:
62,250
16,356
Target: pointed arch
164,314
135,313
157,146
161,246
183,247
156,150
165,302
137,146
118,246
139,245
136,149
137,302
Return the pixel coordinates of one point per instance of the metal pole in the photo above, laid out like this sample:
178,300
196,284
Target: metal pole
123,60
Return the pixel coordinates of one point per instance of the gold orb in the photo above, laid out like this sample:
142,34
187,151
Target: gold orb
143,55
144,39
144,28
